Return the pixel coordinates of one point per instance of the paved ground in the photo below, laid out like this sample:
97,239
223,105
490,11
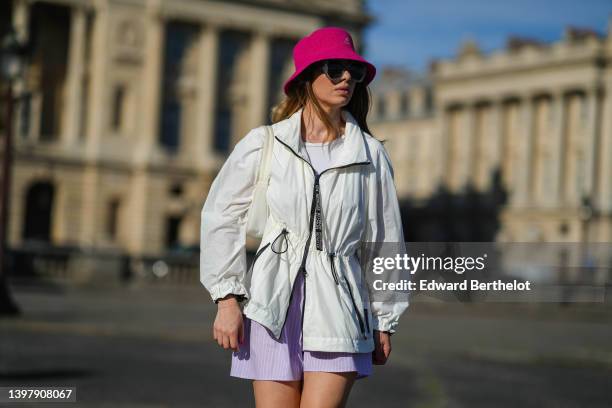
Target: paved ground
152,347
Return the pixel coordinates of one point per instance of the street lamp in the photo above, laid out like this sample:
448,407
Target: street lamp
12,54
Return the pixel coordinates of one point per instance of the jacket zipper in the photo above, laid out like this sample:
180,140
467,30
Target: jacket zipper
257,255
315,208
333,267
356,310
316,203
335,275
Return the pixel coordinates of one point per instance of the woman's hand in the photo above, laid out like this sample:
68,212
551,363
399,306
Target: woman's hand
382,347
228,326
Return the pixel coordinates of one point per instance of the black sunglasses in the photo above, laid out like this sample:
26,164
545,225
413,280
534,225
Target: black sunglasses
334,69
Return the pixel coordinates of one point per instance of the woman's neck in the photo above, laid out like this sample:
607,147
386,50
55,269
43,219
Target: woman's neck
313,128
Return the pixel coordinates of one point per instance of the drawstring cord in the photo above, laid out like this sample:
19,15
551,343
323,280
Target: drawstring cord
283,233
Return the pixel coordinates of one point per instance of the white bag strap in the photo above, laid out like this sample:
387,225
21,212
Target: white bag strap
264,168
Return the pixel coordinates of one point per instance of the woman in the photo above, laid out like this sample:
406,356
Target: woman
308,327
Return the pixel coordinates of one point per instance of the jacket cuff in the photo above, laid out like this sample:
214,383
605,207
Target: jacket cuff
224,288
384,324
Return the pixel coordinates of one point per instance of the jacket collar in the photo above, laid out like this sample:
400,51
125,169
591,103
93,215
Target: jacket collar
353,150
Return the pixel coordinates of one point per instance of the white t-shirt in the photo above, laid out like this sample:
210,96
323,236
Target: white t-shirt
322,154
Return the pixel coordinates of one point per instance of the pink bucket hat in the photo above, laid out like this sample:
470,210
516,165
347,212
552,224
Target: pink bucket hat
326,43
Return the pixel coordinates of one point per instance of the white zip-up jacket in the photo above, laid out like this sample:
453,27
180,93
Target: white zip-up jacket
316,226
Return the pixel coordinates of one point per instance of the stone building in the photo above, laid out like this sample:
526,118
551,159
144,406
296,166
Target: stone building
511,146
128,109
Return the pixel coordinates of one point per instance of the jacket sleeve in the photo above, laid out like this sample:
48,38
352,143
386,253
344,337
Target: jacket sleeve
385,237
223,219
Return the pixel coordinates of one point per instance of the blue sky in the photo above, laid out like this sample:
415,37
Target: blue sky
409,33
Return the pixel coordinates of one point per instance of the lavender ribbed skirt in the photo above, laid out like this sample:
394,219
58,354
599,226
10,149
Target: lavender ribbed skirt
262,357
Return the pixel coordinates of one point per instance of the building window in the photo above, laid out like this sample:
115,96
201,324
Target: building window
584,109
49,39
179,70
404,104
179,78
118,116
173,225
113,218
429,102
564,229
83,115
38,212
280,61
382,107
176,190
232,70
223,123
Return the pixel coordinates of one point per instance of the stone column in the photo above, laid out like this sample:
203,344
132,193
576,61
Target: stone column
508,149
495,130
455,132
533,155
480,166
96,126
473,158
207,92
592,137
139,236
540,153
448,144
523,149
152,82
604,166
557,147
260,65
71,125
444,147
416,101
575,158
97,103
